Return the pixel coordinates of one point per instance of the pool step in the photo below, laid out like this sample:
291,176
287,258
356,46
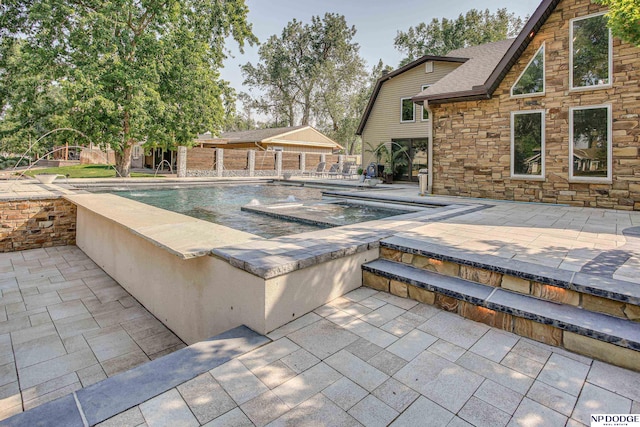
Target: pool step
590,292
116,394
596,335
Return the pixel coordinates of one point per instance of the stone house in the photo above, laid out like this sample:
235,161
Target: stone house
564,96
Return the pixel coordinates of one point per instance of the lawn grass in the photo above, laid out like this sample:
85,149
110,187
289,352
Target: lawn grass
86,171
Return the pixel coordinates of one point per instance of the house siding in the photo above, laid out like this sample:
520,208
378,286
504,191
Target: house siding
472,139
383,123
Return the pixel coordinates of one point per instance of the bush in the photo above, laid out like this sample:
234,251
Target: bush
10,162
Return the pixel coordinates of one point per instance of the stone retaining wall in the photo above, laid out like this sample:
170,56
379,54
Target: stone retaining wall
32,224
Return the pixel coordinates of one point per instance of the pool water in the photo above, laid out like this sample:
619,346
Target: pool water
221,205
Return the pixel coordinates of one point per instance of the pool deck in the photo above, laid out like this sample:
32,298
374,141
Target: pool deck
366,358
65,324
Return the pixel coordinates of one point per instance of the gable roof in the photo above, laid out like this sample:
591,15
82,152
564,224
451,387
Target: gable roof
485,89
475,72
253,135
272,135
392,74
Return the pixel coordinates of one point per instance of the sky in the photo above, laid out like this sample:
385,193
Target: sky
377,22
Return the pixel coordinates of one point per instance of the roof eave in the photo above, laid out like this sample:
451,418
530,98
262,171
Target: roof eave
510,57
521,42
466,95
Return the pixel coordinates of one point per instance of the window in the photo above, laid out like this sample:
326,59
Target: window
527,144
590,147
531,81
591,45
428,67
425,113
408,113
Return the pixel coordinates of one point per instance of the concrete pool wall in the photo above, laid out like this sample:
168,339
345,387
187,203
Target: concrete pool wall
164,259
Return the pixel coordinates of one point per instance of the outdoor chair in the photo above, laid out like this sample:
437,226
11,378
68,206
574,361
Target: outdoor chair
334,171
349,169
319,170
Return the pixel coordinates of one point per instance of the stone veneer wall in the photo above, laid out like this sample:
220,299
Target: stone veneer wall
472,140
32,224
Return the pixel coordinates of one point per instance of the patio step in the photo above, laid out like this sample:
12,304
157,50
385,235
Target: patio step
593,334
116,394
592,292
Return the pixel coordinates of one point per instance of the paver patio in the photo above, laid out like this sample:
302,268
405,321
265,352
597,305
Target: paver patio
420,366
65,324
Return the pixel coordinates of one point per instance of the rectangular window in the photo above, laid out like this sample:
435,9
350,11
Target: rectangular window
590,46
425,113
531,81
527,144
408,113
590,147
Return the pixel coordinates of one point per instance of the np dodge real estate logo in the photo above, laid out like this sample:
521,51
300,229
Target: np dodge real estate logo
615,420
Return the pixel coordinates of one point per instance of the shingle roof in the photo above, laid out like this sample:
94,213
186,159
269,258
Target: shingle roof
254,135
272,135
482,61
483,90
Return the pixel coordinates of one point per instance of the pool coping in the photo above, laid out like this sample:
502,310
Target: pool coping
181,235
278,256
284,210
187,237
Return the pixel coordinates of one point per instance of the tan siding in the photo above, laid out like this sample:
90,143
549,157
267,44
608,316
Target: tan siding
384,124
306,135
299,148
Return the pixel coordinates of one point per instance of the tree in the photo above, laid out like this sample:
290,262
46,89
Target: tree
442,36
132,71
309,73
243,119
30,106
352,106
624,19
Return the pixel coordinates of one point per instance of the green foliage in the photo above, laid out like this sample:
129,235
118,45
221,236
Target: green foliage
527,141
311,73
624,19
11,162
408,110
591,52
126,70
532,80
442,36
85,171
590,133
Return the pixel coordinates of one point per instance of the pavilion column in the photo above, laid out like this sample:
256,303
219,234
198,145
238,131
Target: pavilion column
182,162
252,162
219,162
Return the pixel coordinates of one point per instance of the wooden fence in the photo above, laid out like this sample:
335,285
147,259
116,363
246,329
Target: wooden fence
204,162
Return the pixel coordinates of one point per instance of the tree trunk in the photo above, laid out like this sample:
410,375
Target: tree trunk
306,111
123,160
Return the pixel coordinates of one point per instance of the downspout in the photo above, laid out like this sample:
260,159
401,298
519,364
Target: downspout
430,149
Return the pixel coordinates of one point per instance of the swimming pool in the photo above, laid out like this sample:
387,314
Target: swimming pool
222,204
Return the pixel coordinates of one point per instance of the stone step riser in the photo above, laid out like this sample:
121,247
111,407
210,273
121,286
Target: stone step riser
474,310
538,289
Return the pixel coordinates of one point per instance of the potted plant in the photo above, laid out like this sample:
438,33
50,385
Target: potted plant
361,174
386,156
